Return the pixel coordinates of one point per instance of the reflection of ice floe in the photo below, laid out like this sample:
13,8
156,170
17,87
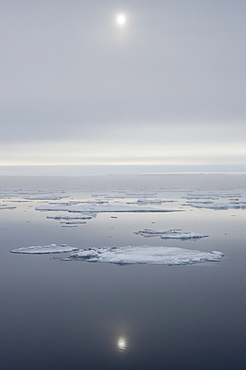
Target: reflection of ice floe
170,234
146,255
52,248
73,222
70,226
73,217
103,208
5,206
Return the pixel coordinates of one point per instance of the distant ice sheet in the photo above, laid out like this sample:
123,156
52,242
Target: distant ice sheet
44,197
103,208
219,206
212,195
146,255
170,234
130,195
3,206
144,201
46,249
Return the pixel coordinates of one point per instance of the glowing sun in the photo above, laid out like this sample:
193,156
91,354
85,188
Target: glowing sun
121,19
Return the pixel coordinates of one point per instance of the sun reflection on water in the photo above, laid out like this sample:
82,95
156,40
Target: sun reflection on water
122,344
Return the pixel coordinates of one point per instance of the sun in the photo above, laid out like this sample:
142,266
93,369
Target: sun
121,19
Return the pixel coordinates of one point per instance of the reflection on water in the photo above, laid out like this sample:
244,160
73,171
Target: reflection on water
122,344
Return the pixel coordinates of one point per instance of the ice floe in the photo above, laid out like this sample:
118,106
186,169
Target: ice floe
3,206
130,195
44,197
146,255
170,234
219,206
46,249
153,201
212,196
102,208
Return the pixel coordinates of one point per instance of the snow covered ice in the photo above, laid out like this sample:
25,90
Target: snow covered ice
146,255
170,234
46,249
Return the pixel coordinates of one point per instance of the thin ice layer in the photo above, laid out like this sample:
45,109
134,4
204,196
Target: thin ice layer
146,255
46,249
170,234
103,208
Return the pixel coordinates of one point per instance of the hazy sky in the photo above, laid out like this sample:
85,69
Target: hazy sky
168,87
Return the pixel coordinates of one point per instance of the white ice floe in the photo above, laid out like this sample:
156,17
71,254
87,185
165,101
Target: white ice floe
198,202
212,196
153,201
146,255
219,206
102,208
197,197
130,195
46,249
170,234
141,194
44,197
5,206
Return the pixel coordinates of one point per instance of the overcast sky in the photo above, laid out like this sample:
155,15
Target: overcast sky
167,87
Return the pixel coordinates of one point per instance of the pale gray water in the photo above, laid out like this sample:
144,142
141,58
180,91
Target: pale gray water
79,315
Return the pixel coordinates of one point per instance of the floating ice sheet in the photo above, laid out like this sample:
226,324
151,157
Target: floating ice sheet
46,249
170,234
146,255
103,208
130,195
219,206
3,206
153,201
212,195
44,197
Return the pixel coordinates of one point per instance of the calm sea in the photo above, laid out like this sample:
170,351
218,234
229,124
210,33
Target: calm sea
79,315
